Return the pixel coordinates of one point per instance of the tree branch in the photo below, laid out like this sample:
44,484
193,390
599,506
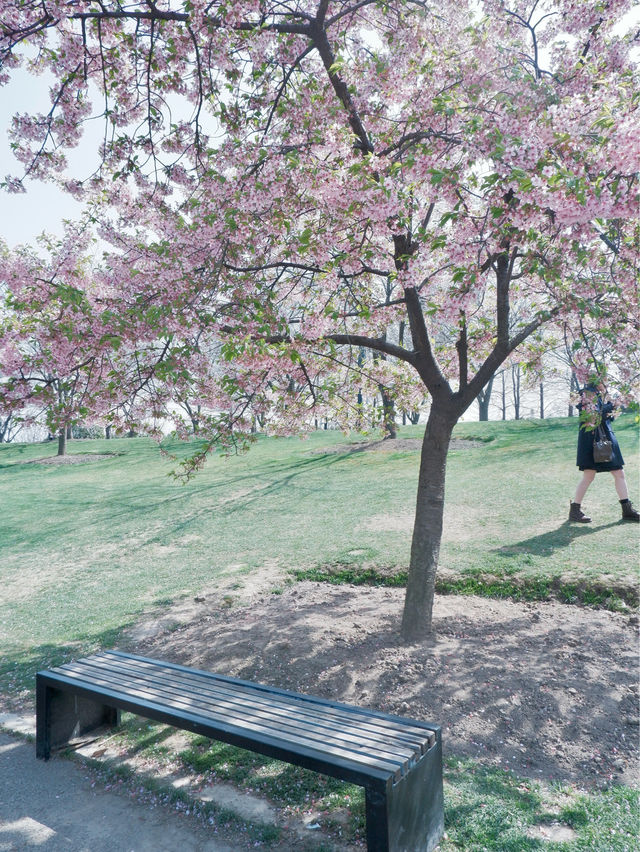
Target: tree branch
424,360
323,47
462,344
378,344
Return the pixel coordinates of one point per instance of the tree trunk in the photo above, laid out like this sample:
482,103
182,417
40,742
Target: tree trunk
541,401
388,405
362,357
359,404
484,398
427,531
62,441
389,414
504,397
573,386
515,383
5,428
107,432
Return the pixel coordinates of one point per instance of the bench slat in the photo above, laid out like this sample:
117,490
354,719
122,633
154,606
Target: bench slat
279,719
320,748
278,726
352,730
406,729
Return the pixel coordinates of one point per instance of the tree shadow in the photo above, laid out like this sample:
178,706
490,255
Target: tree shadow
276,479
483,804
18,664
547,543
525,672
533,689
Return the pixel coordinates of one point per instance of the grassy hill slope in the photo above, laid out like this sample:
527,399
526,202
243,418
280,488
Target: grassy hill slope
87,547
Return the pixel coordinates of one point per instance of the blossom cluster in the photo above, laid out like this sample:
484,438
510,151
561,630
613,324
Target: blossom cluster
279,180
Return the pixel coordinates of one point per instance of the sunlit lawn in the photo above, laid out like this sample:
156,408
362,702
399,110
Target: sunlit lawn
86,548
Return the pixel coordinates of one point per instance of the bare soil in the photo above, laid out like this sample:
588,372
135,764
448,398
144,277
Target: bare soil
547,690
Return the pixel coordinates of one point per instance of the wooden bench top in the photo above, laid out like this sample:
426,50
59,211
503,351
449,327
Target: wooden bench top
337,739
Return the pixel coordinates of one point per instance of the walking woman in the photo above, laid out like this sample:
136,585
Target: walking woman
591,398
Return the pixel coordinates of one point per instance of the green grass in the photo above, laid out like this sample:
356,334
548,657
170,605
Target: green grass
597,593
490,809
486,809
86,548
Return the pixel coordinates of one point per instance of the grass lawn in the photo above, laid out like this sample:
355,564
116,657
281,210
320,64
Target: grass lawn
486,809
87,547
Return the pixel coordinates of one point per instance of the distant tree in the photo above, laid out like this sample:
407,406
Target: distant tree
484,398
10,426
503,395
515,388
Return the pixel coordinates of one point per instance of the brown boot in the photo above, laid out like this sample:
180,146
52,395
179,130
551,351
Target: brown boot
577,515
628,512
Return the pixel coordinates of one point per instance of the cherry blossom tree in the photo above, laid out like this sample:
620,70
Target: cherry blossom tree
50,361
295,178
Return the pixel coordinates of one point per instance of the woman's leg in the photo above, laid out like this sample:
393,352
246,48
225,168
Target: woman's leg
628,512
620,482
587,478
575,512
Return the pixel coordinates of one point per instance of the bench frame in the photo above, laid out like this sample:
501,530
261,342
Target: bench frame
402,814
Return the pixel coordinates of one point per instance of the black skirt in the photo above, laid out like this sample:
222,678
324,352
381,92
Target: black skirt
585,451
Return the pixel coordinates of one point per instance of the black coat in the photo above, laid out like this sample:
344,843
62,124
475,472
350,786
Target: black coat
585,443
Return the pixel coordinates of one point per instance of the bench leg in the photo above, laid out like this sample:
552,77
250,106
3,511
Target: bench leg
408,816
61,716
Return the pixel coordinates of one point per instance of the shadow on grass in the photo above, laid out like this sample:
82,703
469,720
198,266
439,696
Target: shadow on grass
274,778
490,809
274,479
547,543
18,665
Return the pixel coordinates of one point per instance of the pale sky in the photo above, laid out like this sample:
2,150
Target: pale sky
43,207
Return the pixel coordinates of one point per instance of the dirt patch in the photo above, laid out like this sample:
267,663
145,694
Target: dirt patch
389,523
544,689
233,588
74,458
553,833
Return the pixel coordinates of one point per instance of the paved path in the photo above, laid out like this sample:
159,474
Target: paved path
51,807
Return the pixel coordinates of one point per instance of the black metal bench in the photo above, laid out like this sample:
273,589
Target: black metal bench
398,761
